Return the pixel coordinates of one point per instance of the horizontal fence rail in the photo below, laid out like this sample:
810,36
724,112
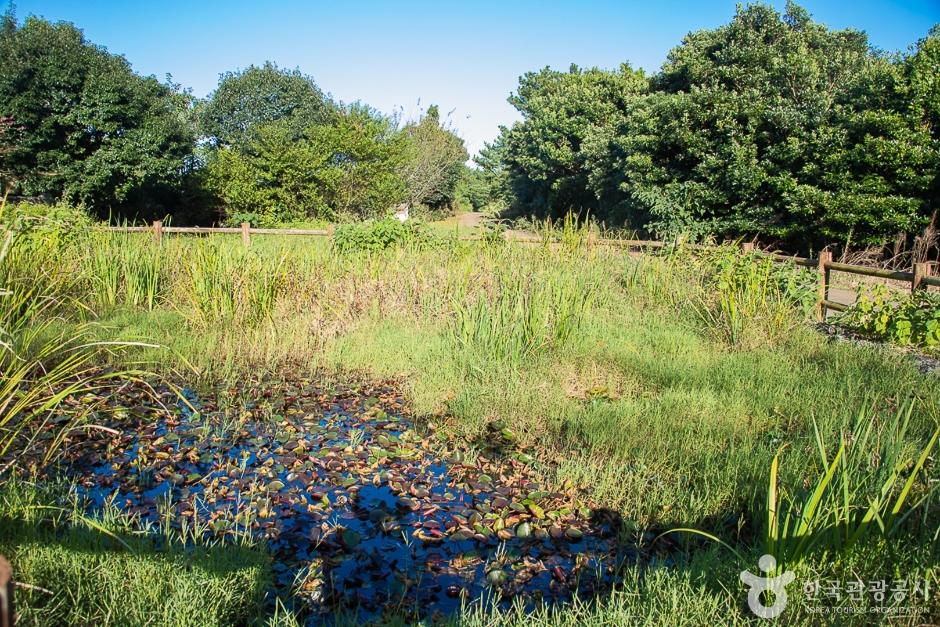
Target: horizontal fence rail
919,276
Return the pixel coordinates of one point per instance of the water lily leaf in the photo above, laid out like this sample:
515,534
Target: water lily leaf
524,530
574,533
351,538
537,511
276,486
497,577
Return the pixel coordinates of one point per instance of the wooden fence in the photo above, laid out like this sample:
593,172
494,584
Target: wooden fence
245,229
919,276
6,593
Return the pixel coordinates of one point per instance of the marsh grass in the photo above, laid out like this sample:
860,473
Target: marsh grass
37,372
102,570
872,484
639,384
523,316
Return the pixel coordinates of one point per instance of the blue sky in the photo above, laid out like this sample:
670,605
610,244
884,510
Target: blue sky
466,57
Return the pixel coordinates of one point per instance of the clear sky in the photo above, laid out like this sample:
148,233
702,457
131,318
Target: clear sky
465,57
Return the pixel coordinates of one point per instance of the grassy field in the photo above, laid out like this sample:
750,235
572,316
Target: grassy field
661,388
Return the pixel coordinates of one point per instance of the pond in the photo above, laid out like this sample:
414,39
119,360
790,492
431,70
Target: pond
363,509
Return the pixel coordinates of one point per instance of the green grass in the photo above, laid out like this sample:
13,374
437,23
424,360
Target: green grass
101,573
644,380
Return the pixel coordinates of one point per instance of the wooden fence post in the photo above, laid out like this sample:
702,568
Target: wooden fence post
920,271
246,233
329,230
825,258
6,593
158,231
746,247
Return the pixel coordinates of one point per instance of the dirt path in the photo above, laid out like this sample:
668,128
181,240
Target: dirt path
470,219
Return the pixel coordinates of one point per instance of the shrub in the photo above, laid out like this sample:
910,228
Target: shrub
896,317
379,235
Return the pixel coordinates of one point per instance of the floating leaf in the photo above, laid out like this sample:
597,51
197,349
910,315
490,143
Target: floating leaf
497,577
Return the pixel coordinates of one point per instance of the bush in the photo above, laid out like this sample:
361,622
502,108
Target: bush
896,317
379,235
58,224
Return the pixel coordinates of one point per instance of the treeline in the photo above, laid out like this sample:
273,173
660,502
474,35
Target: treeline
268,146
771,125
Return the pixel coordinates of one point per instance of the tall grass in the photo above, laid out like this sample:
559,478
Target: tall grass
522,316
750,300
871,485
38,372
607,362
741,301
125,270
103,571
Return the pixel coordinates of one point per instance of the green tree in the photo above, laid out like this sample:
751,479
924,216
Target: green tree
269,182
346,167
544,154
776,125
923,74
433,162
770,125
361,153
489,185
257,97
93,131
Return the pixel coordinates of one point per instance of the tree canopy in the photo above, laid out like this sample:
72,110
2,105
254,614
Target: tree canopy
88,129
433,162
257,97
770,125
